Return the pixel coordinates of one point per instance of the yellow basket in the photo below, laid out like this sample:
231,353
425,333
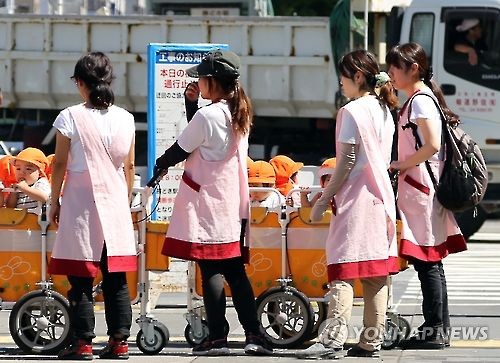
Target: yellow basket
155,236
21,258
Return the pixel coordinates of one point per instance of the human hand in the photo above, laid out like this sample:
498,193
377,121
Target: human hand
319,208
397,166
304,190
472,57
192,92
21,186
55,208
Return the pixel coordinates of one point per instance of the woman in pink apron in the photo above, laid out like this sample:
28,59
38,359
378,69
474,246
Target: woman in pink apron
95,149
361,242
429,232
211,208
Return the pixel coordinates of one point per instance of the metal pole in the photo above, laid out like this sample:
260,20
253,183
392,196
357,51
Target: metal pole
11,6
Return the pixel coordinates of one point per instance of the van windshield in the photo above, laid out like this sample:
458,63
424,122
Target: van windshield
472,45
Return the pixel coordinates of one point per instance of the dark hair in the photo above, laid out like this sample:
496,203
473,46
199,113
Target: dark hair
403,56
95,70
365,62
240,105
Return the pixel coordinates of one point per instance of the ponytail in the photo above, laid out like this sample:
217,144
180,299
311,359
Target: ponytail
385,91
241,110
451,117
239,104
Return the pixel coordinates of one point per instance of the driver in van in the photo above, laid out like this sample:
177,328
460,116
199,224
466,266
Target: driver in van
470,40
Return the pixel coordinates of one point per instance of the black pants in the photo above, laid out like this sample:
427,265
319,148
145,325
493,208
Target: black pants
214,298
434,294
116,303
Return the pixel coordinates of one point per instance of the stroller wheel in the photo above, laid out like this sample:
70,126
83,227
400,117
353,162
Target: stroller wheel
320,309
158,343
286,316
39,322
194,338
397,328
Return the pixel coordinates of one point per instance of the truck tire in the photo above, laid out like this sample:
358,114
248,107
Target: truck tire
468,223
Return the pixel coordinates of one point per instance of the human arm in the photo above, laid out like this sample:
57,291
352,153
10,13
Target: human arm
304,200
129,168
31,191
173,155
346,159
470,51
191,95
59,165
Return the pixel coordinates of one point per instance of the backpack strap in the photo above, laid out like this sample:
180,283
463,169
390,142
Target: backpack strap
418,141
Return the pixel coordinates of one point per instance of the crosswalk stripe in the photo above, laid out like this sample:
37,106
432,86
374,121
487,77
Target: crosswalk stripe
472,278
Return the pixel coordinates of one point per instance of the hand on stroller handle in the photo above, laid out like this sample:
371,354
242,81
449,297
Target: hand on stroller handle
157,175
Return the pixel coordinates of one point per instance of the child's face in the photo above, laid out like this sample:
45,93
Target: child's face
325,179
260,196
27,171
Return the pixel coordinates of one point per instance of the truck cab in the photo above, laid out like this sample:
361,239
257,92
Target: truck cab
471,90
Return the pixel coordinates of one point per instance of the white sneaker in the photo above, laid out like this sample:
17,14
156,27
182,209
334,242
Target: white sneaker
317,350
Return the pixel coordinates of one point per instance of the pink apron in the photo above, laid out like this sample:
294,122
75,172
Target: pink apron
212,200
361,241
429,231
95,208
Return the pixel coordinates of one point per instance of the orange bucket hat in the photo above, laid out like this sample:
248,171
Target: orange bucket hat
261,172
327,167
34,156
7,171
284,168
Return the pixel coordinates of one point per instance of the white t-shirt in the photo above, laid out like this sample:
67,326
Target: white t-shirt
108,123
33,206
424,108
274,200
349,133
209,130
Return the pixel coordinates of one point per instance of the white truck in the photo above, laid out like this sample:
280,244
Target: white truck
288,69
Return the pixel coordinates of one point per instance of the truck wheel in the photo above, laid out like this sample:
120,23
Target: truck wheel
468,223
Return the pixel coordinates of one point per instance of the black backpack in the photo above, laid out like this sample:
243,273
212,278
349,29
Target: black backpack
464,178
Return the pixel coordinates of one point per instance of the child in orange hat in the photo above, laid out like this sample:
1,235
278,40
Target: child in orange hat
7,176
7,171
261,174
286,176
325,172
32,185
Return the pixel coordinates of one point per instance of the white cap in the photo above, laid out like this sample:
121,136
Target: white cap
467,24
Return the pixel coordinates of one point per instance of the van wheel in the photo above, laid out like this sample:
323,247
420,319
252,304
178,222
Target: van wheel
468,223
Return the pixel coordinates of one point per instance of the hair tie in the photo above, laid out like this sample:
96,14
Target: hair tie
381,79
